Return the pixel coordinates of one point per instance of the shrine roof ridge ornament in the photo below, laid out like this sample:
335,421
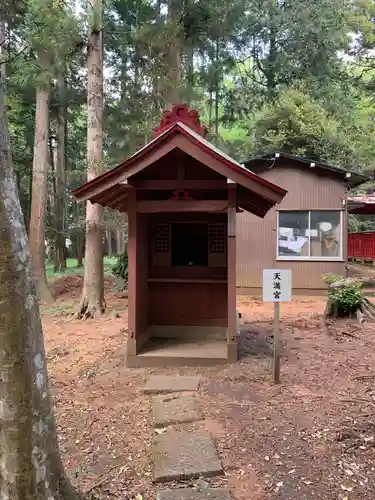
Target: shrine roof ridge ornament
181,113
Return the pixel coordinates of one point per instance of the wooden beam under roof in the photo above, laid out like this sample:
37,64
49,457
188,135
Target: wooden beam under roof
182,206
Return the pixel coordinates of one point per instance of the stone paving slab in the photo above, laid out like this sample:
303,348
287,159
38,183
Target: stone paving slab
175,409
180,455
167,383
189,494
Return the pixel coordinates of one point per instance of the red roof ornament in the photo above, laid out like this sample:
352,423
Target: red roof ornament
181,113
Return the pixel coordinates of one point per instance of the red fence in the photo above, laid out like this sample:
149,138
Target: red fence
361,246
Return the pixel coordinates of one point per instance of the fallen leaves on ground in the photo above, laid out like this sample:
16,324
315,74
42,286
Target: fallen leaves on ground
310,437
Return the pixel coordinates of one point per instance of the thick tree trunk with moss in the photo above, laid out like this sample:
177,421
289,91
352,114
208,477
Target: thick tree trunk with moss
92,300
39,191
30,464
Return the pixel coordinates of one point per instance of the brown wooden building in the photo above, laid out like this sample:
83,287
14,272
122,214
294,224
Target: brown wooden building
181,195
306,232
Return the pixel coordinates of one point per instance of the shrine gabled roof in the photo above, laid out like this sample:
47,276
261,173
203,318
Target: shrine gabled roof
108,186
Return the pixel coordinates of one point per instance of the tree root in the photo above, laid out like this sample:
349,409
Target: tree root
364,378
104,479
365,312
351,335
91,308
369,308
44,292
360,317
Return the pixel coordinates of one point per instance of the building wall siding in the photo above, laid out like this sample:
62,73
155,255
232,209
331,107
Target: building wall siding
256,238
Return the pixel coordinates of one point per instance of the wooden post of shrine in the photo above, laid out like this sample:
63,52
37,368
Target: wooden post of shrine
231,251
132,272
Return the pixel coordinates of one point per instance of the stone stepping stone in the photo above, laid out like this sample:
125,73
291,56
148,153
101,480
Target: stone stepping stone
175,409
180,455
166,383
189,494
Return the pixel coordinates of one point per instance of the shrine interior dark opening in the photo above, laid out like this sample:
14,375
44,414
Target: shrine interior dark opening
189,244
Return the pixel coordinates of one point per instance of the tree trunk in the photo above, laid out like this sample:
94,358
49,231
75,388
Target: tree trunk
39,192
217,109
79,249
31,467
210,108
92,300
60,251
172,91
157,81
118,242
109,243
30,192
190,72
123,244
217,86
271,66
79,237
49,236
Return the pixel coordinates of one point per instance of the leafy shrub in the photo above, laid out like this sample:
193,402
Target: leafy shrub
330,278
347,298
120,269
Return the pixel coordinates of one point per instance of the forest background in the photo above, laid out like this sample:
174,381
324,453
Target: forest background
296,76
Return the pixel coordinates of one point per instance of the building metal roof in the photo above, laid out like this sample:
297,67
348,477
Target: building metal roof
361,205
270,160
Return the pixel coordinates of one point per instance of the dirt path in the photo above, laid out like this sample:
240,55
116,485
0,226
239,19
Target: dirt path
310,437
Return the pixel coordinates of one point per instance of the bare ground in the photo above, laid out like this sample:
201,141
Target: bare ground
311,437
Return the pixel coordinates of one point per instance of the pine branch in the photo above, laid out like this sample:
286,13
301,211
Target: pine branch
12,58
103,27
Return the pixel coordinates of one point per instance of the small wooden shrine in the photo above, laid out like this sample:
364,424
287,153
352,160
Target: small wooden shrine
181,194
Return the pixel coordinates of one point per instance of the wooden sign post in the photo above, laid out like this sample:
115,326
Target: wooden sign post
277,287
276,344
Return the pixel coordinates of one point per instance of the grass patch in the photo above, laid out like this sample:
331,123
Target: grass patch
73,269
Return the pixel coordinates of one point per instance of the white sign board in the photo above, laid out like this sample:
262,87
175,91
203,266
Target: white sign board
277,285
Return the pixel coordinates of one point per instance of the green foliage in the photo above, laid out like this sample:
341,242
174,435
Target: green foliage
348,298
359,223
120,269
51,31
299,124
345,299
265,75
330,278
296,124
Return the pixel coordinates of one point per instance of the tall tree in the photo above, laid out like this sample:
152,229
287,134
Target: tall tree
51,30
31,467
60,177
39,181
92,300
280,43
171,91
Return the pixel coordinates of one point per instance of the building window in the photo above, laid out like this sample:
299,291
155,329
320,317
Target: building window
309,235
